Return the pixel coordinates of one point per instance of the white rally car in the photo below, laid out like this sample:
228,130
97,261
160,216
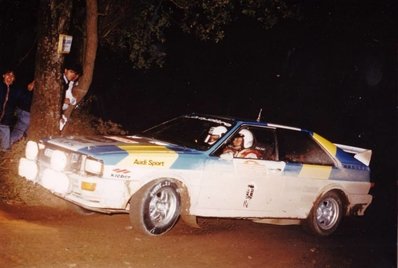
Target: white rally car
207,166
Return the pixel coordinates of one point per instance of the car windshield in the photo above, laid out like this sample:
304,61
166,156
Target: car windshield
187,131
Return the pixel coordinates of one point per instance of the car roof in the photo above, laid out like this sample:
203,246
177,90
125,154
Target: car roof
235,120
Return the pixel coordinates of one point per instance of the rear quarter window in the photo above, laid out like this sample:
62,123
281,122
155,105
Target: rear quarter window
300,147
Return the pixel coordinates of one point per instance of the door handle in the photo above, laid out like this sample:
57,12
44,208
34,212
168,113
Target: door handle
275,170
251,162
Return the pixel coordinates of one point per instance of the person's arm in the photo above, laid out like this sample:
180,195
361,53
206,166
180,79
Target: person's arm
69,94
31,85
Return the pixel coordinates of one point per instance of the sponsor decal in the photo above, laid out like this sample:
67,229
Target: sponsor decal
209,119
148,162
153,156
249,195
120,176
120,173
154,191
118,170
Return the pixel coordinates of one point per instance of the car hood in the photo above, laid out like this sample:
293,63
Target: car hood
105,145
131,151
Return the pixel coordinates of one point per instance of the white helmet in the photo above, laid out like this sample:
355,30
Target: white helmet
215,131
247,138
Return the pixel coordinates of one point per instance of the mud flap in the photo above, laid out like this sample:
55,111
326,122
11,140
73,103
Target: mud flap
190,220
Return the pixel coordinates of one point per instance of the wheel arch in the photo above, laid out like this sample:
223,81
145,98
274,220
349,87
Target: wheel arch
182,190
326,224
340,192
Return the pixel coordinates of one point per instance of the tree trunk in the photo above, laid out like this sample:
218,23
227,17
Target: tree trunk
90,52
48,93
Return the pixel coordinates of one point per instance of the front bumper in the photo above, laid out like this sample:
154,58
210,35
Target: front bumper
91,192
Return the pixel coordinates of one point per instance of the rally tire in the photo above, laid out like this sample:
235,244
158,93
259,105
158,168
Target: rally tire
326,214
155,208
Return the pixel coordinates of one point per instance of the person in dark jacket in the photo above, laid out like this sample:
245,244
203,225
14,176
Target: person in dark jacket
9,95
22,112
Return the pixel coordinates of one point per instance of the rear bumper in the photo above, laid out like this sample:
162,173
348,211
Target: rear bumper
359,204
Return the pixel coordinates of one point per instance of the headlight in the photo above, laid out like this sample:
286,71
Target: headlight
55,181
58,160
31,150
93,166
28,169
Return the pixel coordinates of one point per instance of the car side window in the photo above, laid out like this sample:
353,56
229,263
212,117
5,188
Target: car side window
265,142
257,143
300,147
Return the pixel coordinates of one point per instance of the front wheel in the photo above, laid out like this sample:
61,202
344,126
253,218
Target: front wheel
155,208
326,214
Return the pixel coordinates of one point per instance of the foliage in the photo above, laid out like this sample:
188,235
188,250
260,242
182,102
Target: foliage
206,19
83,123
269,13
138,28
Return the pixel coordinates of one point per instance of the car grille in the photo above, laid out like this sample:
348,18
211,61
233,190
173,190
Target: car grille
75,160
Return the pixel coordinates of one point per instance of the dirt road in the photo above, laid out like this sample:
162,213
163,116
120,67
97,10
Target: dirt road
48,237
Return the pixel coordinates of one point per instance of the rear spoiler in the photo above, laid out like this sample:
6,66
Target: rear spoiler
361,154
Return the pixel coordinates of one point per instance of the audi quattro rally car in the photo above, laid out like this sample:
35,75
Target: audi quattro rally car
190,167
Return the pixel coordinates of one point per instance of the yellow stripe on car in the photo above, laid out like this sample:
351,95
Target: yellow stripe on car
332,149
148,155
315,171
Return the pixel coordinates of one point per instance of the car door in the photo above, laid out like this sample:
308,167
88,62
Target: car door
243,187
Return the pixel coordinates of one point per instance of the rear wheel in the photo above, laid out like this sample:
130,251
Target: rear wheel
326,214
155,208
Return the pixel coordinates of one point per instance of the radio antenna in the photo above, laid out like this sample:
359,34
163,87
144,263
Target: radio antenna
259,115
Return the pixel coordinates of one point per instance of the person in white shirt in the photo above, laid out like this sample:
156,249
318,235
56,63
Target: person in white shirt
70,78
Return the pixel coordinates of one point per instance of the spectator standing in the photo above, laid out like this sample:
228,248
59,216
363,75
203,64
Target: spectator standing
22,111
70,78
8,99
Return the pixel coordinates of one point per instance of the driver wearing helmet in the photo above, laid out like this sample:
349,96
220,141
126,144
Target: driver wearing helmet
240,146
214,134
